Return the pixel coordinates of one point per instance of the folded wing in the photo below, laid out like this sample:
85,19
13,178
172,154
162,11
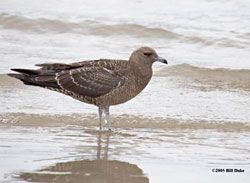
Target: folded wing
89,78
90,81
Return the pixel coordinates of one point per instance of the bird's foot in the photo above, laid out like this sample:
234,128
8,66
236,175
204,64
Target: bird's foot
107,130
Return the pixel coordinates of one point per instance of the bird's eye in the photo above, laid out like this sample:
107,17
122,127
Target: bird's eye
147,54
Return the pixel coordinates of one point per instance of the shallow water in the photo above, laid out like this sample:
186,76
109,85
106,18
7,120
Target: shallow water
193,116
76,152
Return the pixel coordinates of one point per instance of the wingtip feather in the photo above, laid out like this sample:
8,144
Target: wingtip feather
17,76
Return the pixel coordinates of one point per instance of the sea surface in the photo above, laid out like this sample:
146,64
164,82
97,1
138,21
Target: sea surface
193,117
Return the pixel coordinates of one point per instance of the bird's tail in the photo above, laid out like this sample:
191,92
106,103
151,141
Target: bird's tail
17,76
24,75
35,77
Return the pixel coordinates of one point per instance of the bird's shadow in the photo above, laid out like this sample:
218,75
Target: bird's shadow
98,170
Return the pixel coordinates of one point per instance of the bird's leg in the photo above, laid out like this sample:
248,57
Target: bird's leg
100,110
107,117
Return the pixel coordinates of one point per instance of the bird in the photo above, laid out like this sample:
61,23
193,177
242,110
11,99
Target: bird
101,82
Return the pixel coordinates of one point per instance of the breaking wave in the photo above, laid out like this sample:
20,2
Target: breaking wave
87,27
96,28
207,78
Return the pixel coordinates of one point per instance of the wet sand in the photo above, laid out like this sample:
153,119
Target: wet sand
60,150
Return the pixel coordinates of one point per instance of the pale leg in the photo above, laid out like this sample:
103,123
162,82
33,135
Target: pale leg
107,117
100,117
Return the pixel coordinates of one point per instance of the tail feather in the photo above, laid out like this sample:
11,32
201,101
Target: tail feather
45,76
17,76
26,80
35,78
27,71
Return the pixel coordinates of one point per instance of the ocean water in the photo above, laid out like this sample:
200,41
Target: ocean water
203,95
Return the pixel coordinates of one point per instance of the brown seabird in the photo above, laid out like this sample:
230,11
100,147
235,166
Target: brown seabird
102,82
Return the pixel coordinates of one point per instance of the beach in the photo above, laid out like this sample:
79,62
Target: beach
190,124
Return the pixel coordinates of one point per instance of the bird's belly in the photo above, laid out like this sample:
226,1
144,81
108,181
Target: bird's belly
120,95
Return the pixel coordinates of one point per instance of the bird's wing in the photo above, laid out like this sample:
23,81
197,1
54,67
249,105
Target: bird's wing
90,81
87,78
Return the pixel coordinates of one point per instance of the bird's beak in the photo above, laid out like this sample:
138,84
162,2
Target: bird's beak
162,60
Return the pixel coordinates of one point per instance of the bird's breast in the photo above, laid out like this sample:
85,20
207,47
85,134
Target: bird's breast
133,85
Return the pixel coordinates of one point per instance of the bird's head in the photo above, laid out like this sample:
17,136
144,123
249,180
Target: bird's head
146,55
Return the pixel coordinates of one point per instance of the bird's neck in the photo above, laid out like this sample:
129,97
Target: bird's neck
142,73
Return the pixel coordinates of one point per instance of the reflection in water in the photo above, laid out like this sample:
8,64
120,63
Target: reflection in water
100,170
99,145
